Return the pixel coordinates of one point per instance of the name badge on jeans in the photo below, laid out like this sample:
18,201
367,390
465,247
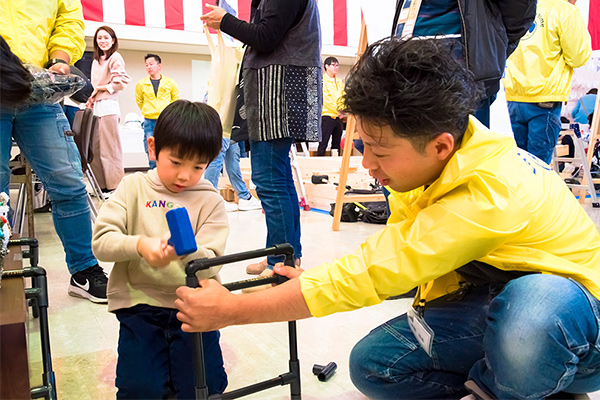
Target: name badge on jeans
420,329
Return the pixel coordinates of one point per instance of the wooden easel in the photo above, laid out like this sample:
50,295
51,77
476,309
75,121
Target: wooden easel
594,135
341,197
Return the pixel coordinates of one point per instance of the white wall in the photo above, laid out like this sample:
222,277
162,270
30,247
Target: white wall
179,67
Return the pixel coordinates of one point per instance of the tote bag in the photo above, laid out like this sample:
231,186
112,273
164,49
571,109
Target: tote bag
222,80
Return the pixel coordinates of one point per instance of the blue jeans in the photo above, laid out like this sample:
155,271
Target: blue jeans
231,155
155,355
70,113
272,175
536,129
483,110
535,337
149,125
43,135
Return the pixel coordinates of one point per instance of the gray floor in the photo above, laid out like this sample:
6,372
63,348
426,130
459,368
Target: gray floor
84,335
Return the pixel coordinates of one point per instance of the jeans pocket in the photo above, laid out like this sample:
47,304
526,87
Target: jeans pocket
64,130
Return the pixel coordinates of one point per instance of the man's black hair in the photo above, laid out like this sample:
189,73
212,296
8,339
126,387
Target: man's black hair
329,61
156,57
416,86
190,130
593,91
15,80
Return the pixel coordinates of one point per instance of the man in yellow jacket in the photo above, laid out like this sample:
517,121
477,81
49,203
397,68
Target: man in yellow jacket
152,94
332,125
539,73
49,33
506,260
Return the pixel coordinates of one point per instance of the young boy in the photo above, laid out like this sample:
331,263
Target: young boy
507,261
155,356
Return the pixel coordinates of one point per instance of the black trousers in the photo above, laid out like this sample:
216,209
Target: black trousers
330,128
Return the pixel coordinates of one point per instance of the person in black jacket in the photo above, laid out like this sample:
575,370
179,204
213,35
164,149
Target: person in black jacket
488,31
283,97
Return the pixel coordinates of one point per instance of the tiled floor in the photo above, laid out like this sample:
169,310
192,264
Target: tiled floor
84,335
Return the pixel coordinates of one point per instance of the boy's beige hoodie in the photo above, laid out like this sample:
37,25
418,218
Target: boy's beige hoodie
138,208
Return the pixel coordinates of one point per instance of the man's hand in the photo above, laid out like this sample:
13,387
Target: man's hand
288,272
60,68
205,309
214,16
156,251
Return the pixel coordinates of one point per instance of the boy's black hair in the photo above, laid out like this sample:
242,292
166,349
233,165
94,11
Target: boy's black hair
329,61
416,86
190,130
15,80
155,56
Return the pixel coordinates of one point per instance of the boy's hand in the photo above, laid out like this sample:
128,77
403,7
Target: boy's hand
204,309
156,251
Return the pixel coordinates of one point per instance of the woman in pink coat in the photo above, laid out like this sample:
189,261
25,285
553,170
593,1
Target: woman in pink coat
109,78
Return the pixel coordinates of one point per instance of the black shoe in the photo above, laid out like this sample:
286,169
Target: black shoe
89,284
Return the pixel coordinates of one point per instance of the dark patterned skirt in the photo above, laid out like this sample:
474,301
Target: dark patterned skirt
283,101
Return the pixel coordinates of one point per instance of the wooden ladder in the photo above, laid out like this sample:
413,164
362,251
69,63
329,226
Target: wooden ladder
341,196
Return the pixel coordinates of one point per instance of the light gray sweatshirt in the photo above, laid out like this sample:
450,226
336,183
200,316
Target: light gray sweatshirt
138,208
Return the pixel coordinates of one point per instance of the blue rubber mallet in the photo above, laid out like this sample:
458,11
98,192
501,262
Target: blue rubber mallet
182,234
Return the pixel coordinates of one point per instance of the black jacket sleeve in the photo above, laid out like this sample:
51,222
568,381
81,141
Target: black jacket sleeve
517,15
269,25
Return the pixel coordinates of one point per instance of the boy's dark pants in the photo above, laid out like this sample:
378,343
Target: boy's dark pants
157,357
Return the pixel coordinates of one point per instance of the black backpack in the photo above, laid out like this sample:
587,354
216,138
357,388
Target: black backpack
373,212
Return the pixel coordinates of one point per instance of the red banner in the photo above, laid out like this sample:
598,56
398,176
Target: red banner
174,14
340,20
134,13
92,10
594,23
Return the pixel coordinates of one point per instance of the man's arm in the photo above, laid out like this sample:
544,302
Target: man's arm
174,91
67,38
213,307
139,97
265,34
575,39
517,15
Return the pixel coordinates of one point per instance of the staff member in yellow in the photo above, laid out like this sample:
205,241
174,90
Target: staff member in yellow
152,95
331,119
514,308
49,33
539,72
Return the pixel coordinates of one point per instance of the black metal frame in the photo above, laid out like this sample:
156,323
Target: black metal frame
37,295
292,377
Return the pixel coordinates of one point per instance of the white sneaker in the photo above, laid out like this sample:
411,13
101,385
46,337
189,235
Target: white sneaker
231,207
251,204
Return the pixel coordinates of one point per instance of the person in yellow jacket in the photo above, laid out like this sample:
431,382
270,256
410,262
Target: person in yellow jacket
49,33
506,260
152,94
332,125
539,73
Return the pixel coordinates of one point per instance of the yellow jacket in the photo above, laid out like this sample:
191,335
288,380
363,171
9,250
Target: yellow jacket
541,68
151,104
333,88
493,203
36,28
